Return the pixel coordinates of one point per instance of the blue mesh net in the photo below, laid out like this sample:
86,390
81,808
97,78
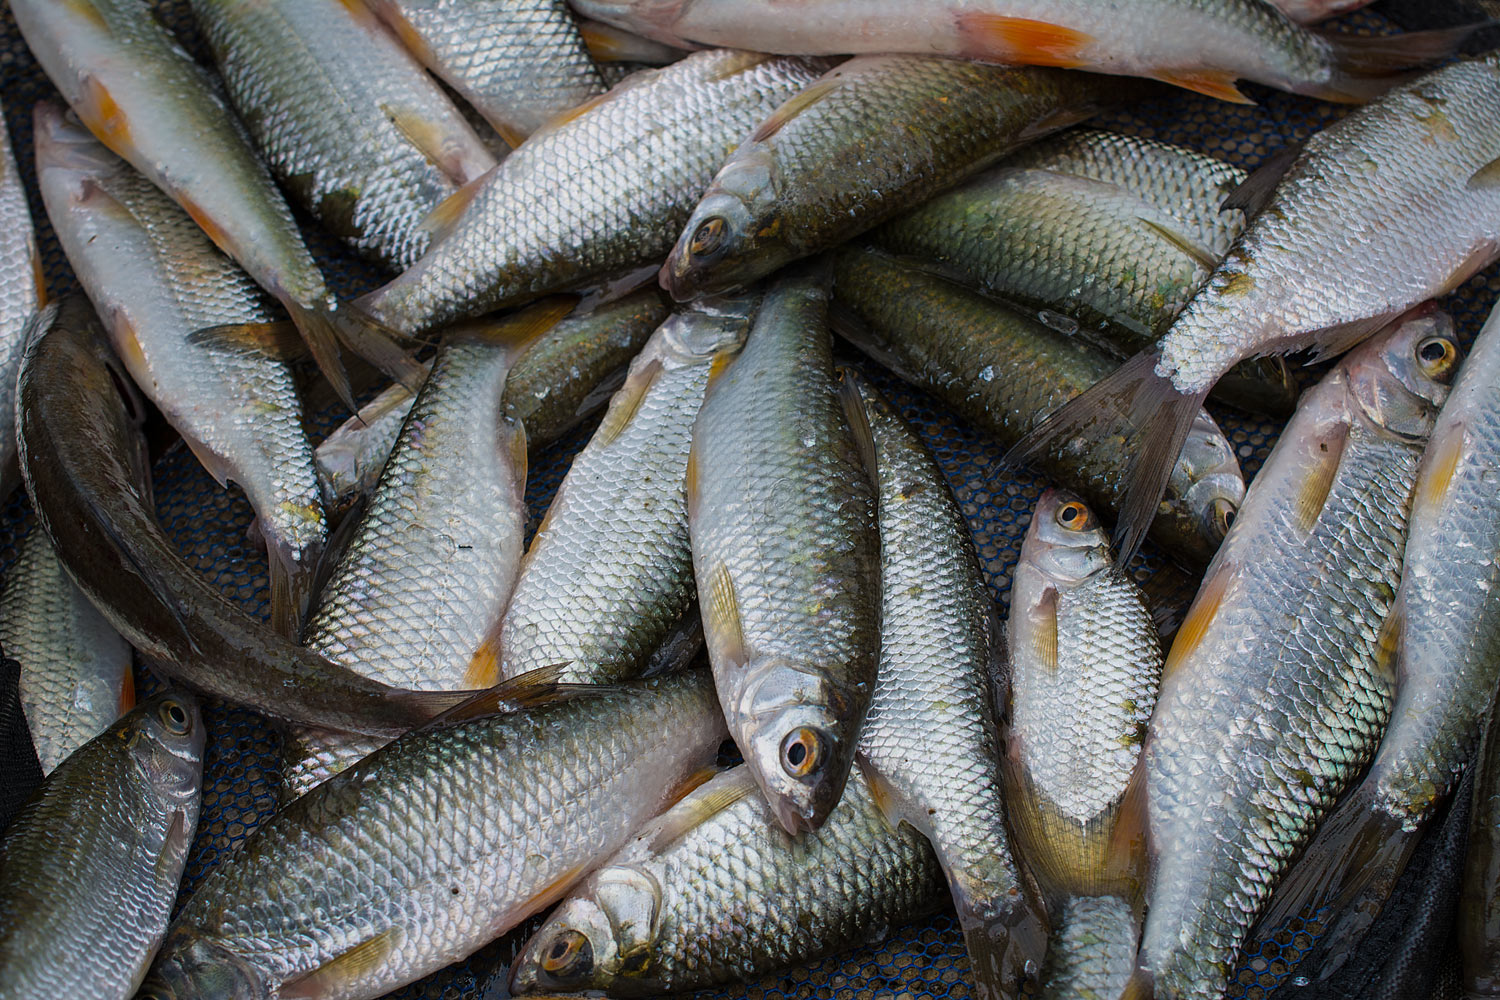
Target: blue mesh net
209,524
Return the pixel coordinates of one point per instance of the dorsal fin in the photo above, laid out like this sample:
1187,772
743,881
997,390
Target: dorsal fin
1255,190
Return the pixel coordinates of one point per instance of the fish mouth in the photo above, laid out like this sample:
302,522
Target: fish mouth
795,819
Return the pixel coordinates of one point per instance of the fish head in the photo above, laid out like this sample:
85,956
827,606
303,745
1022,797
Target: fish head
601,938
68,151
1208,479
191,967
166,743
796,727
1065,543
734,235
1400,378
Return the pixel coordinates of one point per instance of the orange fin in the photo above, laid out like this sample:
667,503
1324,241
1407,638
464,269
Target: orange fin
606,43
777,119
721,616
576,112
627,402
411,39
998,38
277,341
714,792
1219,84
349,967
1312,494
444,218
103,116
1438,466
127,689
1140,986
1200,616
519,330
484,666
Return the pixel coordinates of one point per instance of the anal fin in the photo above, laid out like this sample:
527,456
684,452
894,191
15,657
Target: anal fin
998,38
1219,84
336,975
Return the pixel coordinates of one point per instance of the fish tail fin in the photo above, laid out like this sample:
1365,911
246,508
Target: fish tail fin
327,327
1141,986
1006,938
292,575
1140,404
1346,874
1364,67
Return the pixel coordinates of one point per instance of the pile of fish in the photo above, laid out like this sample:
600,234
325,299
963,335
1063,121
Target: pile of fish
754,557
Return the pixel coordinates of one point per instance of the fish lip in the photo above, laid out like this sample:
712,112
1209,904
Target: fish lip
793,820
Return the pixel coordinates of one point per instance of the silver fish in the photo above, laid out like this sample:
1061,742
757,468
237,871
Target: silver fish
609,574
25,292
715,892
1446,629
347,120
89,868
1426,154
145,98
75,668
155,280
1085,662
432,847
601,191
519,62
786,555
1280,681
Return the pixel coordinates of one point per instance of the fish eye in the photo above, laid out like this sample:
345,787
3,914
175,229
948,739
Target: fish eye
1221,516
174,717
1074,516
802,752
708,237
1436,355
570,956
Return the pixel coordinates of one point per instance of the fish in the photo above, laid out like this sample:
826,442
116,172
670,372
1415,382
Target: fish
89,868
75,669
1313,11
870,138
609,45
84,462
25,293
1085,662
1446,632
786,553
1281,679
432,562
520,63
1003,372
608,576
158,284
346,119
715,892
436,844
563,378
930,745
1427,154
143,96
1478,922
601,191
1115,232
1202,45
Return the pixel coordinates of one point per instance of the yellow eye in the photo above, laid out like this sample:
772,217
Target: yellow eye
802,752
174,717
708,237
1075,516
1437,356
1221,516
570,955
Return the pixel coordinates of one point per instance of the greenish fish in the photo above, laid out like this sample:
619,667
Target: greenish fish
24,293
89,867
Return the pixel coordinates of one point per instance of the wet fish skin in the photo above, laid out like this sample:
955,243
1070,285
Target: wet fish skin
609,574
555,384
156,280
1114,231
1204,45
1447,636
24,293
869,139
1425,154
603,191
1003,372
519,62
145,98
1280,682
1478,928
85,466
89,868
930,743
346,119
1313,11
786,555
1085,662
455,806
75,669
728,896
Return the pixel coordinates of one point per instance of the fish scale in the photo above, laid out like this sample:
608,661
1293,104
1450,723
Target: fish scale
335,106
21,277
597,194
506,810
1276,691
519,62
